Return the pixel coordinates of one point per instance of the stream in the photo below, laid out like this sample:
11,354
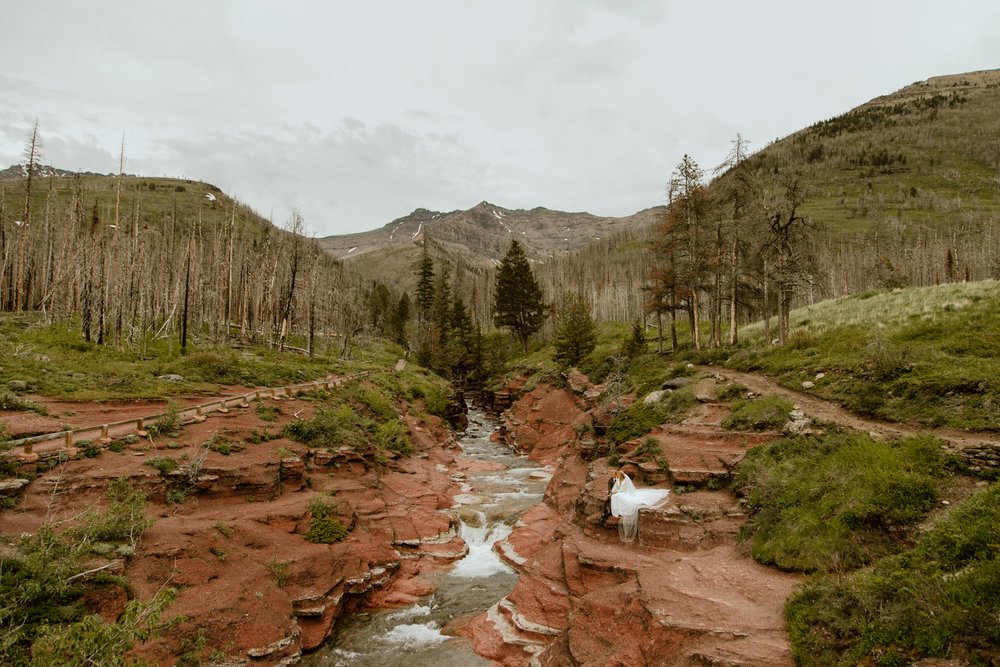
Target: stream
487,509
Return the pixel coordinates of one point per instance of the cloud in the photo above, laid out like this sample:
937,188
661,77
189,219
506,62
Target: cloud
355,176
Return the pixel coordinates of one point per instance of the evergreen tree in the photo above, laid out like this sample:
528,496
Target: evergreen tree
379,307
398,319
517,299
575,333
425,286
441,310
635,344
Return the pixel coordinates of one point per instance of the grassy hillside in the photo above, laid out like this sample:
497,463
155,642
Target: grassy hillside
151,201
923,154
925,355
899,541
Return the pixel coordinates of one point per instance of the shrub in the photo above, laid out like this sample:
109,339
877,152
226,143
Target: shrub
124,519
650,448
329,427
762,414
639,418
175,496
41,619
325,530
634,421
883,360
163,464
278,569
380,405
168,422
268,413
9,401
394,436
732,391
224,445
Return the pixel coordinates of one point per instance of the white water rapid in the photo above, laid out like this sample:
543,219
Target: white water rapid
487,509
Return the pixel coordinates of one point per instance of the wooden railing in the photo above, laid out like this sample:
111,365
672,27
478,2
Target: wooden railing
24,448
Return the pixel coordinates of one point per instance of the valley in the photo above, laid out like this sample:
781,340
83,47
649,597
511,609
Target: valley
224,441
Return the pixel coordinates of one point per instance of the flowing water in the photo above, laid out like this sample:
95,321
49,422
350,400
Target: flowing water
487,509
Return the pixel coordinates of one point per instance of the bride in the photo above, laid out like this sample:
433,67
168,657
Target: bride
626,500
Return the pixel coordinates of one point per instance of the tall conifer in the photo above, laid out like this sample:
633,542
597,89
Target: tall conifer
518,303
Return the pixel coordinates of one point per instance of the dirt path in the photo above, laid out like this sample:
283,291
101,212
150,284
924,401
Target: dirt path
824,410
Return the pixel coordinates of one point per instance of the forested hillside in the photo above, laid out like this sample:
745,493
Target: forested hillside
903,190
131,259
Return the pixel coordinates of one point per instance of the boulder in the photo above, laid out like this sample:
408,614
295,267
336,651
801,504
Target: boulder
18,385
577,381
655,396
171,377
677,383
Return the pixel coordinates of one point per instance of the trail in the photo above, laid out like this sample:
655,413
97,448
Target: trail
824,410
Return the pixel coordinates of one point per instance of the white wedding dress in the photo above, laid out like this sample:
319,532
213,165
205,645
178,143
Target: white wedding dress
626,500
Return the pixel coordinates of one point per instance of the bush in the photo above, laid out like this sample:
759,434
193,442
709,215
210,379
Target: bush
123,520
41,618
394,436
639,418
224,445
377,402
9,401
764,413
168,422
836,502
328,428
268,413
732,391
163,464
325,530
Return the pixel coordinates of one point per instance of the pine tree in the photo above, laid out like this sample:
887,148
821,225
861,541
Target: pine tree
635,344
398,319
518,303
425,286
575,333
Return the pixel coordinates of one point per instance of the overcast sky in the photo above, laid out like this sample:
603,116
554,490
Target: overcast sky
356,113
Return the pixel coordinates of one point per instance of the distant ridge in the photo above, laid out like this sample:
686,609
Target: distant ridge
18,171
476,237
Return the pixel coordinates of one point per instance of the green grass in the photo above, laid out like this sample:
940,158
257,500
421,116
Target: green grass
763,413
366,414
928,356
58,364
938,599
836,502
639,418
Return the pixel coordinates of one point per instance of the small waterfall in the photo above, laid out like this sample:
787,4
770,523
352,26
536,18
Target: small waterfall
485,510
481,561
